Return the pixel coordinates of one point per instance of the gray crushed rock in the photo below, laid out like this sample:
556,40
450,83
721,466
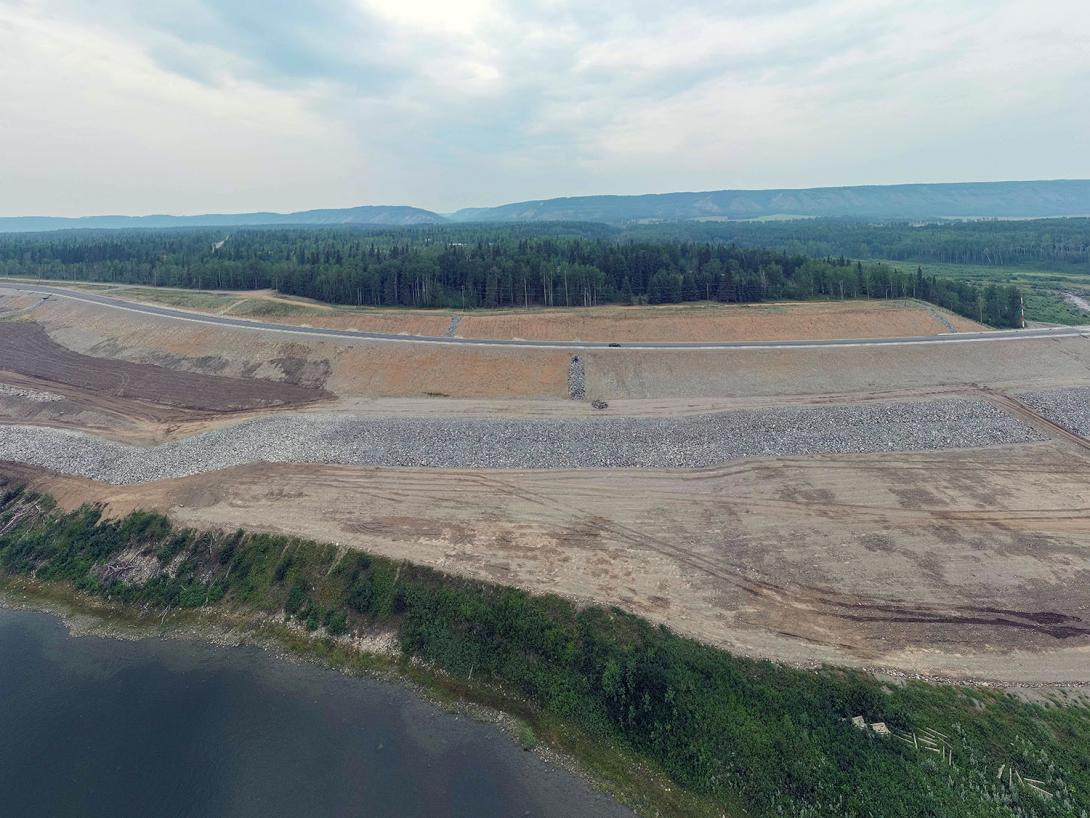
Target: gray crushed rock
942,319
33,395
1069,408
698,441
577,389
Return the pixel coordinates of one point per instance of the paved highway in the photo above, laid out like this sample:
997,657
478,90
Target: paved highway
358,335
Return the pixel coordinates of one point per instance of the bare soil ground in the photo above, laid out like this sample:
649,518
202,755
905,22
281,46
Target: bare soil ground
717,322
706,321
363,369
29,351
970,564
123,419
215,302
396,322
346,368
694,374
1077,301
689,322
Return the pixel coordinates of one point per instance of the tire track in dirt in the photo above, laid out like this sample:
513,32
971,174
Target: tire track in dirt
812,599
749,589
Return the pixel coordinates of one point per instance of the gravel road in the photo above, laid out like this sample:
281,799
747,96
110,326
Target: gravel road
682,442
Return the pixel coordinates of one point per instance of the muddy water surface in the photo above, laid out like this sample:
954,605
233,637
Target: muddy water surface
92,726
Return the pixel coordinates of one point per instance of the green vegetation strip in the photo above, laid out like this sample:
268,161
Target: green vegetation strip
633,703
1042,289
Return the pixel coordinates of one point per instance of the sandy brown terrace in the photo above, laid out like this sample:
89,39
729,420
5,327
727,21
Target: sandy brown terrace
962,564
749,322
365,369
681,322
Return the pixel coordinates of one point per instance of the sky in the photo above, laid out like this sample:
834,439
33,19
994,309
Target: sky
195,106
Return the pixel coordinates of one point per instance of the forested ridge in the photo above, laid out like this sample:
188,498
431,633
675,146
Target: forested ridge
1059,244
1020,200
475,266
739,736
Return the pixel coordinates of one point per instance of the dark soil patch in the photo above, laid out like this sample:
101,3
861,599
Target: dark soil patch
28,350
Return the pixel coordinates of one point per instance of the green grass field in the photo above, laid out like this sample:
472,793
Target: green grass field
192,299
1042,289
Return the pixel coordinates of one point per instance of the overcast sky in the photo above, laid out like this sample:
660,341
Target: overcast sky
189,106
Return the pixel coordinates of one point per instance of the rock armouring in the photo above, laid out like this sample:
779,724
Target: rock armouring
1069,408
698,441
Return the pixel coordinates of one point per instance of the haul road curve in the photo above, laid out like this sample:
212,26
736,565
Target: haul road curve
242,323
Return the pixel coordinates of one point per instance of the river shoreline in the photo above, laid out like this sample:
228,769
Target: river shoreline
284,641
184,726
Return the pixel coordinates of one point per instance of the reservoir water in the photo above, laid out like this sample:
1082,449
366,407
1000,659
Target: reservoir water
92,726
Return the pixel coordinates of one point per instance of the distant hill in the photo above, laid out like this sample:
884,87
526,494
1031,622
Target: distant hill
969,200
378,214
926,201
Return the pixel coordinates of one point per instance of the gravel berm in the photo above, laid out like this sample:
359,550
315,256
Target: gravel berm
698,441
1068,407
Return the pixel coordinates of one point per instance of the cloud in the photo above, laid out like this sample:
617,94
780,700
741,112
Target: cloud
200,105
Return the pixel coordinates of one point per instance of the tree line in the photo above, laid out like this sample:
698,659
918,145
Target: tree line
470,267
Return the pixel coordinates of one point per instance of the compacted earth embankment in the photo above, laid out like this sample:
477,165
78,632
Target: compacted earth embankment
530,495
29,351
351,368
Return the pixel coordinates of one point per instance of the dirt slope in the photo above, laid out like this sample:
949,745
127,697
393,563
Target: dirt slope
717,322
351,368
29,351
346,368
1019,364
964,564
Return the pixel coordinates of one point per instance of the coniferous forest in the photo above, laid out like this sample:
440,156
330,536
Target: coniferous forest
485,266
1054,244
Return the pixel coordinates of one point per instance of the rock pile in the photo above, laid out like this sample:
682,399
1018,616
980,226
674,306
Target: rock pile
33,395
577,389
